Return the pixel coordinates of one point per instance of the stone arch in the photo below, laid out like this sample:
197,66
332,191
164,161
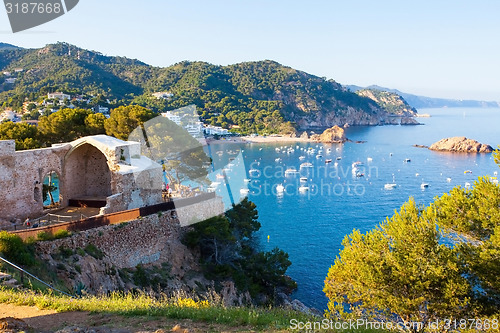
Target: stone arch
51,182
86,173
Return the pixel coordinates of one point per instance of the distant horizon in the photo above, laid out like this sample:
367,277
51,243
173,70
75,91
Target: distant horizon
440,50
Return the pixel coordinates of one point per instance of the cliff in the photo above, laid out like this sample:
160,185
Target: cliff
461,144
390,101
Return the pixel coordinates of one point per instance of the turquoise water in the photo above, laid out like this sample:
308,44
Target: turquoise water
310,225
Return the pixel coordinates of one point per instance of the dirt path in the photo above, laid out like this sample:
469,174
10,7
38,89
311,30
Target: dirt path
51,321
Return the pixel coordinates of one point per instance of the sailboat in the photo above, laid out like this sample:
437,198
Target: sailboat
390,186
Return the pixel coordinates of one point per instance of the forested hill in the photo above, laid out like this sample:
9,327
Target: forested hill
262,96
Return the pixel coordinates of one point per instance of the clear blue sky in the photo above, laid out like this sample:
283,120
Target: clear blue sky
437,48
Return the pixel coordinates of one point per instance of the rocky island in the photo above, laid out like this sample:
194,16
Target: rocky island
461,144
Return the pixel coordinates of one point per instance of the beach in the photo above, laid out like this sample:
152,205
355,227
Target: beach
259,139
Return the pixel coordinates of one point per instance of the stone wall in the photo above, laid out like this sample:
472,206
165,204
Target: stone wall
153,239
96,166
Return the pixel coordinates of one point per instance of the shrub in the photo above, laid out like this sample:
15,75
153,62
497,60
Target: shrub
92,250
15,250
61,234
44,236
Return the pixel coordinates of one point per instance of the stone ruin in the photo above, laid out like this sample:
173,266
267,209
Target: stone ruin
93,167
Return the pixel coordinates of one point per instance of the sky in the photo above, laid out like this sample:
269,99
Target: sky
438,48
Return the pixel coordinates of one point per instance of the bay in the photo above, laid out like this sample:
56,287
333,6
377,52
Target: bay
311,225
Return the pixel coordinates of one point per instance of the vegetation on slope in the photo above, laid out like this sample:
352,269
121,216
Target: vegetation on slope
262,96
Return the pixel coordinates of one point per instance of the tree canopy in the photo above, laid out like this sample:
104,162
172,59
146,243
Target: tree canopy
228,250
124,119
423,263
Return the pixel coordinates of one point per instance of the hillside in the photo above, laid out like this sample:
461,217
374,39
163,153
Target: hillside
5,46
262,96
430,102
390,101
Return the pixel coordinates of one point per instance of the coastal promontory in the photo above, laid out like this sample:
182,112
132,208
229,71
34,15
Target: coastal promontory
461,144
334,134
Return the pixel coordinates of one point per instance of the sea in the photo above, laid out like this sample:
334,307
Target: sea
349,192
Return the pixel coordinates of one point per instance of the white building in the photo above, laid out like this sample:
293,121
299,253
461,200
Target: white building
195,129
9,115
216,130
58,95
163,94
173,117
101,109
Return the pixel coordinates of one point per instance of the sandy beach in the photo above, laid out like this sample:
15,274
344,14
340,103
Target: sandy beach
259,139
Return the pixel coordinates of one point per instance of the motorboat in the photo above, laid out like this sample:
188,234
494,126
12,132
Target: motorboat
306,165
280,188
302,158
390,186
424,185
290,171
328,161
303,179
244,191
303,189
407,160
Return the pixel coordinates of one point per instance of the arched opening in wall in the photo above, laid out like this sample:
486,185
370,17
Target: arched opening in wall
37,194
50,190
87,177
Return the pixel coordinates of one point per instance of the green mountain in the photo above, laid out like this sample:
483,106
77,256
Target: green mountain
5,46
262,96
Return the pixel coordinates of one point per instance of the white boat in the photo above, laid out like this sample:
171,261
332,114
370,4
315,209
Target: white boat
407,160
277,159
244,191
303,179
339,158
328,161
306,165
369,159
390,186
467,185
424,185
290,171
417,174
219,176
253,172
448,180
303,188
319,156
302,158
357,164
246,180
280,188
328,150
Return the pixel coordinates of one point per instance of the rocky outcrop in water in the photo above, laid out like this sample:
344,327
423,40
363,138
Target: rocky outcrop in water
461,144
335,134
